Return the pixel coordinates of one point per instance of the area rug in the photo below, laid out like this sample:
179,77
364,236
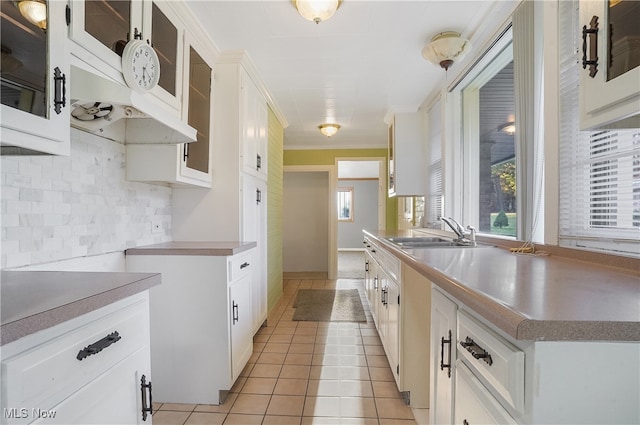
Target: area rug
329,305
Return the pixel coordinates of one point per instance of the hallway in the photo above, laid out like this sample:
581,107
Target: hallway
307,373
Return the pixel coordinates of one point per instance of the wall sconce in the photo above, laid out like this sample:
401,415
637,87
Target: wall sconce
329,129
445,48
34,11
316,10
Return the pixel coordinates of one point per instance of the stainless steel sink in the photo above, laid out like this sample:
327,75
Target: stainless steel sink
426,242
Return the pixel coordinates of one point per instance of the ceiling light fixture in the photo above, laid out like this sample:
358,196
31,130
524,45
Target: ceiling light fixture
329,129
316,10
508,127
34,11
445,48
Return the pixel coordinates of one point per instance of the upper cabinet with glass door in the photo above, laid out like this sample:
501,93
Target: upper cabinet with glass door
102,28
34,74
610,82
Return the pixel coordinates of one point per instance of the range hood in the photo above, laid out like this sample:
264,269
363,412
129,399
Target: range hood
114,111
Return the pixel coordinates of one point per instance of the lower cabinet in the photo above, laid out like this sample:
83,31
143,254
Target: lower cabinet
483,376
399,300
201,323
55,376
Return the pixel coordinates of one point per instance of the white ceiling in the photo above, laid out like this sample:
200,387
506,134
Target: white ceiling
352,69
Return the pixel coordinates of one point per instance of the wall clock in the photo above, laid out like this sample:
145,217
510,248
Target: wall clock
140,66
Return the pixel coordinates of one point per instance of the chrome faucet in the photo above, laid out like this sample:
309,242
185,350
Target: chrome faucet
459,230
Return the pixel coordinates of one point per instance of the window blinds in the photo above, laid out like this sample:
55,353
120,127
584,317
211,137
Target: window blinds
434,148
599,170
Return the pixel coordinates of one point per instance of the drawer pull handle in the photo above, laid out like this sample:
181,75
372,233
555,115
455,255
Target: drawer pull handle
366,266
98,346
465,422
146,408
244,265
592,32
476,351
442,363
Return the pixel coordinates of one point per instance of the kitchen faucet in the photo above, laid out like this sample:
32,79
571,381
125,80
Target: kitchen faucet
459,230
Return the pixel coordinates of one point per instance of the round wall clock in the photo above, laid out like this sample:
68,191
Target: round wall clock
140,66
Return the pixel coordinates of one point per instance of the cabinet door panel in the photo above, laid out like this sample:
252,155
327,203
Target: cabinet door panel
240,306
31,119
443,355
393,327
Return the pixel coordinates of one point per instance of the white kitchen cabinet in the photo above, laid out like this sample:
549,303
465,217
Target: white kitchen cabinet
254,217
186,164
229,211
496,379
89,369
35,83
201,323
253,119
405,153
609,87
399,300
99,30
442,358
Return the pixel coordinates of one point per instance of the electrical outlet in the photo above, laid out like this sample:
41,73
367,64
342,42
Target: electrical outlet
156,225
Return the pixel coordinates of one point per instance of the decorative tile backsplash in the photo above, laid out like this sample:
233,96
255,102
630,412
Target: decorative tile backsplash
55,208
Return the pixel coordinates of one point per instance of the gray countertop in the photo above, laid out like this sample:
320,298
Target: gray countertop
36,300
193,248
533,297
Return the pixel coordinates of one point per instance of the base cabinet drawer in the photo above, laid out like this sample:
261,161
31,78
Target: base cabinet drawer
474,404
494,359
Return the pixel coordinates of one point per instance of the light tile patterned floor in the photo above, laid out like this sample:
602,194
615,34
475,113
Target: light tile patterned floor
306,373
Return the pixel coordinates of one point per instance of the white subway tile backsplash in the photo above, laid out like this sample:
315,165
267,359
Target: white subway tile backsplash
56,208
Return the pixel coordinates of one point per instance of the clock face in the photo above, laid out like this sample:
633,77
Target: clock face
140,66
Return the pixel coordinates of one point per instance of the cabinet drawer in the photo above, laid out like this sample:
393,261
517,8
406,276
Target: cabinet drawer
493,358
474,404
44,375
240,265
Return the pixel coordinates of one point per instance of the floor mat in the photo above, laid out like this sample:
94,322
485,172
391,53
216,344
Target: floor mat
329,305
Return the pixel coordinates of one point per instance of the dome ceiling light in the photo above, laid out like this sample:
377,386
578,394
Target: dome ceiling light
34,11
329,129
316,10
445,48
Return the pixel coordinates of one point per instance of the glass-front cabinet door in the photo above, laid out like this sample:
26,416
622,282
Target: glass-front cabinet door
609,38
196,161
34,79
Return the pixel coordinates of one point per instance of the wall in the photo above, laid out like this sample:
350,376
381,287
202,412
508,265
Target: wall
274,211
306,200
365,213
56,208
328,157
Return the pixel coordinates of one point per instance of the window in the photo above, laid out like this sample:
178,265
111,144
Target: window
599,170
489,148
345,204
434,148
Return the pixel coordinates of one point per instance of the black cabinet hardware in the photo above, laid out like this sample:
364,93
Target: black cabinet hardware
465,422
146,408
185,152
60,90
258,196
384,295
592,32
137,35
476,351
366,266
258,162
234,312
98,346
442,363
244,265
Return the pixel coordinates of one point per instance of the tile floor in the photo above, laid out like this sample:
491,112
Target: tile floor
307,373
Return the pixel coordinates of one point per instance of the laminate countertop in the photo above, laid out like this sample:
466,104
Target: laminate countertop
36,300
541,298
193,248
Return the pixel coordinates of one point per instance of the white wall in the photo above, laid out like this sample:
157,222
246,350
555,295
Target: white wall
365,209
55,208
306,221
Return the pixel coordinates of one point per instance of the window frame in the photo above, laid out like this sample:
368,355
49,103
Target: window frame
351,216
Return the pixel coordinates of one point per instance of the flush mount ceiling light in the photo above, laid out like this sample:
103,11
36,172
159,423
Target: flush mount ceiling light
445,48
316,10
508,127
329,129
34,11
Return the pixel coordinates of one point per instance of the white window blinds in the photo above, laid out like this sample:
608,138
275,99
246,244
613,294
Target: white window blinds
434,149
599,170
